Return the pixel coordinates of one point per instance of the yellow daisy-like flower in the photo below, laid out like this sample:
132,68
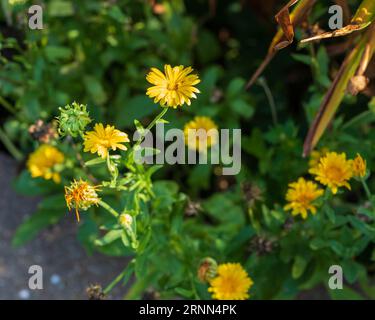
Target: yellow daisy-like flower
301,195
200,133
316,155
174,87
42,162
102,139
359,166
81,196
334,171
231,283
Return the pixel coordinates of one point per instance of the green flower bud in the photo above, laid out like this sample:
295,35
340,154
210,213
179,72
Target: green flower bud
207,269
73,119
126,220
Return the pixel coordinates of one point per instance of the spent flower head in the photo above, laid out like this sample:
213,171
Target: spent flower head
104,138
80,195
333,171
301,196
231,283
73,119
43,161
174,87
359,166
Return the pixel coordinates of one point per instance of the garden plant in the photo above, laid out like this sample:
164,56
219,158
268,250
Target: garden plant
80,97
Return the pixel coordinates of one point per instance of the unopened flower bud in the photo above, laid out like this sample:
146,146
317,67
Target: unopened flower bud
207,269
73,119
126,220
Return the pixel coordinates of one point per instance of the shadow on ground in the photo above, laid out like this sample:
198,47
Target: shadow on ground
67,269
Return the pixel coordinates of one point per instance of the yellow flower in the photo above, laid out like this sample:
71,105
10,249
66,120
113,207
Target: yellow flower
334,171
81,195
231,283
102,139
316,155
359,166
301,195
126,220
200,133
42,162
174,87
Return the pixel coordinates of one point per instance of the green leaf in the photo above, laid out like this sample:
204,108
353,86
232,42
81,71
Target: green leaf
306,59
242,108
299,267
116,13
330,213
109,237
35,223
344,294
95,161
235,87
351,270
95,89
56,53
60,8
188,294
317,244
135,108
28,186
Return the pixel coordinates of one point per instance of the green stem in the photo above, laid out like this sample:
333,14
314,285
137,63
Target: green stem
117,279
10,146
196,295
153,122
149,127
7,106
367,190
107,207
270,99
366,115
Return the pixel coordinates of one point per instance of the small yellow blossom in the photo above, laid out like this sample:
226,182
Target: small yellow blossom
81,196
359,166
333,171
42,162
200,133
126,220
231,283
301,195
316,155
102,139
174,87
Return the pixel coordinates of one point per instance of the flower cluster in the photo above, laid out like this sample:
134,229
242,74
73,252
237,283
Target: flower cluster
332,170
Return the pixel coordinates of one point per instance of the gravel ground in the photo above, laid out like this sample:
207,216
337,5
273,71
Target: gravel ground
67,269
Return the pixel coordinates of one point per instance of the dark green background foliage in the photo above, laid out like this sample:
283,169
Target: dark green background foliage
98,53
